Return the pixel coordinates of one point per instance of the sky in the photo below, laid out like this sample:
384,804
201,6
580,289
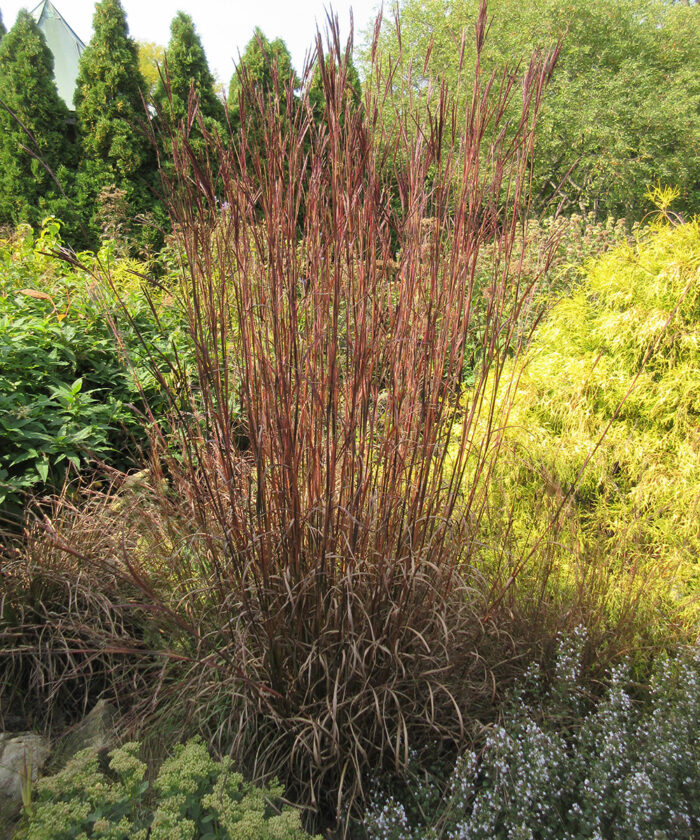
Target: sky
224,26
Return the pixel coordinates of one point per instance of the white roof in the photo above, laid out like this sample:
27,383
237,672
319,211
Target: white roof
65,46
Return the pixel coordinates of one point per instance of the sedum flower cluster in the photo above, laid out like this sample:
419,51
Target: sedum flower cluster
563,769
193,798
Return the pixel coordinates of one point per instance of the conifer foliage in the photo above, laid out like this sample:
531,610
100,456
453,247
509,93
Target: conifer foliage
266,66
33,123
110,112
187,68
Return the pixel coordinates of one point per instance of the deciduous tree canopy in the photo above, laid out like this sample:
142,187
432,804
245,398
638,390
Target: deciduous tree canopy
151,55
622,109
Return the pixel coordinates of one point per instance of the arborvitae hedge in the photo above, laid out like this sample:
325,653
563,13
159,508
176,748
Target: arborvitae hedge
187,68
33,127
111,116
268,64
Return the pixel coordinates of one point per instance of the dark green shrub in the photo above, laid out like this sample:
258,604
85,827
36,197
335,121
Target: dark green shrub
187,70
265,68
109,110
34,138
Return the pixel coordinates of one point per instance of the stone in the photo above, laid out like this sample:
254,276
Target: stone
22,755
96,731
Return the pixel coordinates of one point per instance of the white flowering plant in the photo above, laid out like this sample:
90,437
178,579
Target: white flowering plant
194,797
565,767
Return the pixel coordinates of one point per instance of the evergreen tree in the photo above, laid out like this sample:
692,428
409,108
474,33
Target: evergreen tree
187,68
266,65
33,127
110,111
3,31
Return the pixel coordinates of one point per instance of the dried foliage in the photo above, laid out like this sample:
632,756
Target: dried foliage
68,632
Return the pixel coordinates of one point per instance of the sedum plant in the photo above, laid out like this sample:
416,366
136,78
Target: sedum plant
194,797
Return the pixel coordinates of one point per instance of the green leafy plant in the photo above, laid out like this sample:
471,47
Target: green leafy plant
579,238
69,393
551,253
194,797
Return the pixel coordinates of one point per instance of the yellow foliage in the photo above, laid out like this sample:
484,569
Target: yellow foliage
621,353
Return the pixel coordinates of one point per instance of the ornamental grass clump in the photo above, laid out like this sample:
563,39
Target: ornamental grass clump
321,608
338,612
69,629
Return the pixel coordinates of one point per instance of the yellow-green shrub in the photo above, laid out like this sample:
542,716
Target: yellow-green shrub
193,798
623,350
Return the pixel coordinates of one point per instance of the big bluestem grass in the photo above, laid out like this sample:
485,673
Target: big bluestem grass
336,616
325,488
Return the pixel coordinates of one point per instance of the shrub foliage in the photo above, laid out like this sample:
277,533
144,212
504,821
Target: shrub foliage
618,357
69,393
186,69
